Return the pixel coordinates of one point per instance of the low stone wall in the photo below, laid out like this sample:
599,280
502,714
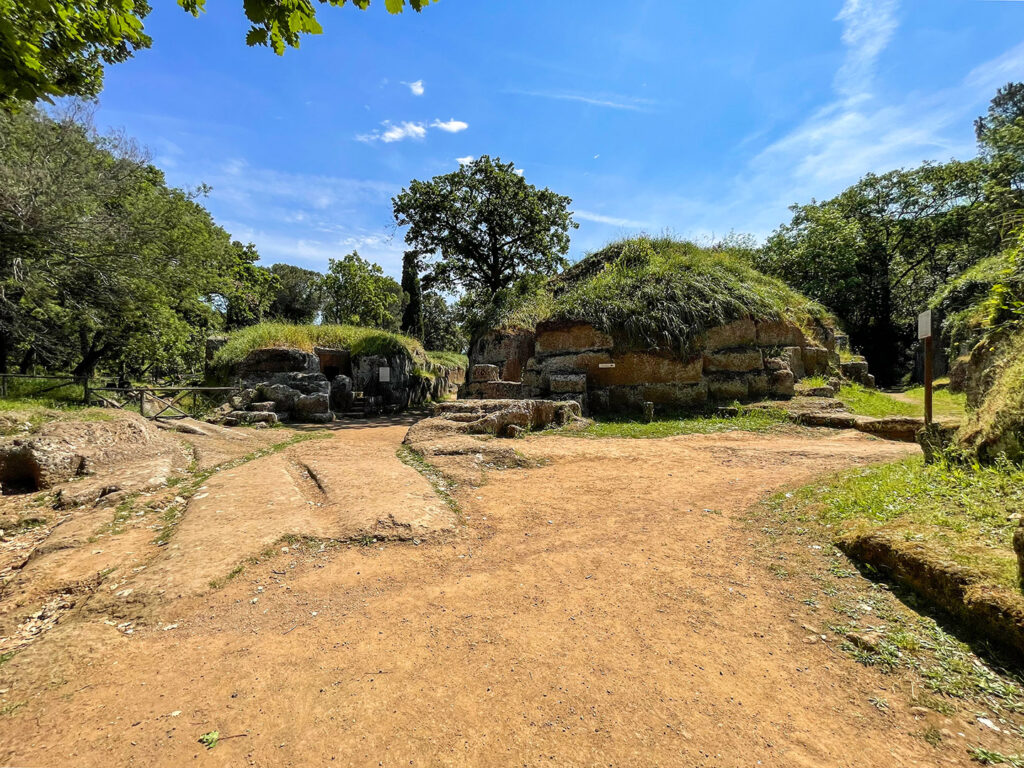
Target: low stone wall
743,360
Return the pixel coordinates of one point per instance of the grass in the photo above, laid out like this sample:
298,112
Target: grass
871,402
19,416
359,341
964,511
754,420
442,487
660,292
997,425
448,360
944,402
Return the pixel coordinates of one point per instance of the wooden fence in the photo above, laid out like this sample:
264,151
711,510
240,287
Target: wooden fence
160,402
152,401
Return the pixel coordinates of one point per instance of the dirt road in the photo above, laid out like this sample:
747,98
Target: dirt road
604,608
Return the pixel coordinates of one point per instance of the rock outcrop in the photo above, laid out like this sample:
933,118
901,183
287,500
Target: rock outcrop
62,450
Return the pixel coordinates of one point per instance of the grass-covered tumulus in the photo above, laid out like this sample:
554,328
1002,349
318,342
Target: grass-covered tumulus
658,292
359,341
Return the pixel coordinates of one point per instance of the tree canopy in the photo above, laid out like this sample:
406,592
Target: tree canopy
299,296
483,226
54,48
876,253
357,292
99,259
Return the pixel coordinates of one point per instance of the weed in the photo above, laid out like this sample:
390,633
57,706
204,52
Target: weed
209,740
932,736
988,757
442,487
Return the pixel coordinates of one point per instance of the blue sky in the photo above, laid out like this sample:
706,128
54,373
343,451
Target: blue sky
653,115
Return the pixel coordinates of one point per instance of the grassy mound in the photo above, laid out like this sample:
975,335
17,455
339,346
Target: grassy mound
997,425
659,292
359,341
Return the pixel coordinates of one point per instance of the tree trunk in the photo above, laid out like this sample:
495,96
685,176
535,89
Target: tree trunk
27,360
4,352
92,353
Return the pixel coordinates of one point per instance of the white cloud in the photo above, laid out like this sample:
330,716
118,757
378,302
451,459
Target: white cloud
610,101
518,171
394,132
868,26
452,126
600,218
465,160
416,87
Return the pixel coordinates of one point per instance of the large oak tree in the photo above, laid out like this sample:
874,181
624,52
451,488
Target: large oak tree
483,226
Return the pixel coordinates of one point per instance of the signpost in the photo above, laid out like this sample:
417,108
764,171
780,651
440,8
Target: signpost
924,332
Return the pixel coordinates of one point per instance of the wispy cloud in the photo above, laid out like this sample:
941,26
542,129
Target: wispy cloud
868,27
609,101
394,132
415,87
519,171
465,160
450,126
614,221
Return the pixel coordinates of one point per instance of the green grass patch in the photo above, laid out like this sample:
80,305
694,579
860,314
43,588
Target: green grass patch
25,415
963,511
944,402
871,402
448,360
752,420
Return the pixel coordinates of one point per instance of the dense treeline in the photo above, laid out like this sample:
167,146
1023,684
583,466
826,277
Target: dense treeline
102,264
878,253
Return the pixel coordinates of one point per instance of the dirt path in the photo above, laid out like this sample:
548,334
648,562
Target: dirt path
602,609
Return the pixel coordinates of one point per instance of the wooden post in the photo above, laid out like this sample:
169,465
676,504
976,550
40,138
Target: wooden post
928,354
924,333
85,391
142,402
3,385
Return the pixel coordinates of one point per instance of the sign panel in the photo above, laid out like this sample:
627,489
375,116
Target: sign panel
606,365
924,324
384,374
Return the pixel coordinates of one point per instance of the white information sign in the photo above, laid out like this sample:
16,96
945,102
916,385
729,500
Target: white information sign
384,374
924,324
606,365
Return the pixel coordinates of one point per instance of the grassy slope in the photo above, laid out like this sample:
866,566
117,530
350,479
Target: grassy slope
360,341
997,425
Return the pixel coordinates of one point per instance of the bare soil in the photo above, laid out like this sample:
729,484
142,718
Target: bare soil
604,605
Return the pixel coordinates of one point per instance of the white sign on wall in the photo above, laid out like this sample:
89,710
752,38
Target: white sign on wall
384,374
924,324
